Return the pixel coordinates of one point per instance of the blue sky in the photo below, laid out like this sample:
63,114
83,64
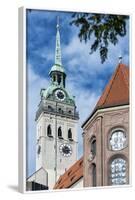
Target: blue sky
86,76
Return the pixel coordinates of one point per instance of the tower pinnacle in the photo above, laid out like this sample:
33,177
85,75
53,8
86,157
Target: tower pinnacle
58,48
57,26
120,59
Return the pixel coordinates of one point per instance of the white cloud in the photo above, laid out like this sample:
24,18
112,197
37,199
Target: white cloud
34,85
80,59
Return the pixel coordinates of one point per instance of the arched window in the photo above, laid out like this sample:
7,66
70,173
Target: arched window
94,181
60,110
49,131
50,108
59,133
69,134
54,78
117,140
118,168
93,146
59,79
64,82
39,149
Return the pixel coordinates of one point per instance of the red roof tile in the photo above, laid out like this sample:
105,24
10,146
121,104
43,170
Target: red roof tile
116,93
71,176
117,90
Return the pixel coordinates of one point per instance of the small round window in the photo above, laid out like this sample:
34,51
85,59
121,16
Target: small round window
118,140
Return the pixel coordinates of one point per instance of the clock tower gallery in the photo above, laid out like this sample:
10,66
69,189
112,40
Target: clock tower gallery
56,120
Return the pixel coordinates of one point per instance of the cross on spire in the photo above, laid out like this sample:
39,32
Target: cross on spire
120,59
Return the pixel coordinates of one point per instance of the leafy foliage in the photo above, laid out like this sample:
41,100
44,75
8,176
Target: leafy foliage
104,28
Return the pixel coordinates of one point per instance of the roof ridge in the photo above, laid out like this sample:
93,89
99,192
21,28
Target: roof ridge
107,89
125,77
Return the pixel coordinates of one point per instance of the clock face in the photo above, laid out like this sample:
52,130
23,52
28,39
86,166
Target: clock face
65,150
60,95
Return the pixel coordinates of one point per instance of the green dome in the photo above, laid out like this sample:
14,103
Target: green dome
58,68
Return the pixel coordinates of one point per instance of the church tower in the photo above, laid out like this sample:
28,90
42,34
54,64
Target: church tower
56,120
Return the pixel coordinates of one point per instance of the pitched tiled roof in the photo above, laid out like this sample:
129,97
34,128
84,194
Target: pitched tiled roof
71,176
116,93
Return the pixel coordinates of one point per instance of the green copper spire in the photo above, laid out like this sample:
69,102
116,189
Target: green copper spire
58,61
57,72
58,48
57,76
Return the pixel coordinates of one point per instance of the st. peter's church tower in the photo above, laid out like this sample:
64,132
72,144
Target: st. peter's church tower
56,120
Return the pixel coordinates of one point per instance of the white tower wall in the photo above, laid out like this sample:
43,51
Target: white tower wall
50,157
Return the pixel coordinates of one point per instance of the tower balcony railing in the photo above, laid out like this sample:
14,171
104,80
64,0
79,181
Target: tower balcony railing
55,111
